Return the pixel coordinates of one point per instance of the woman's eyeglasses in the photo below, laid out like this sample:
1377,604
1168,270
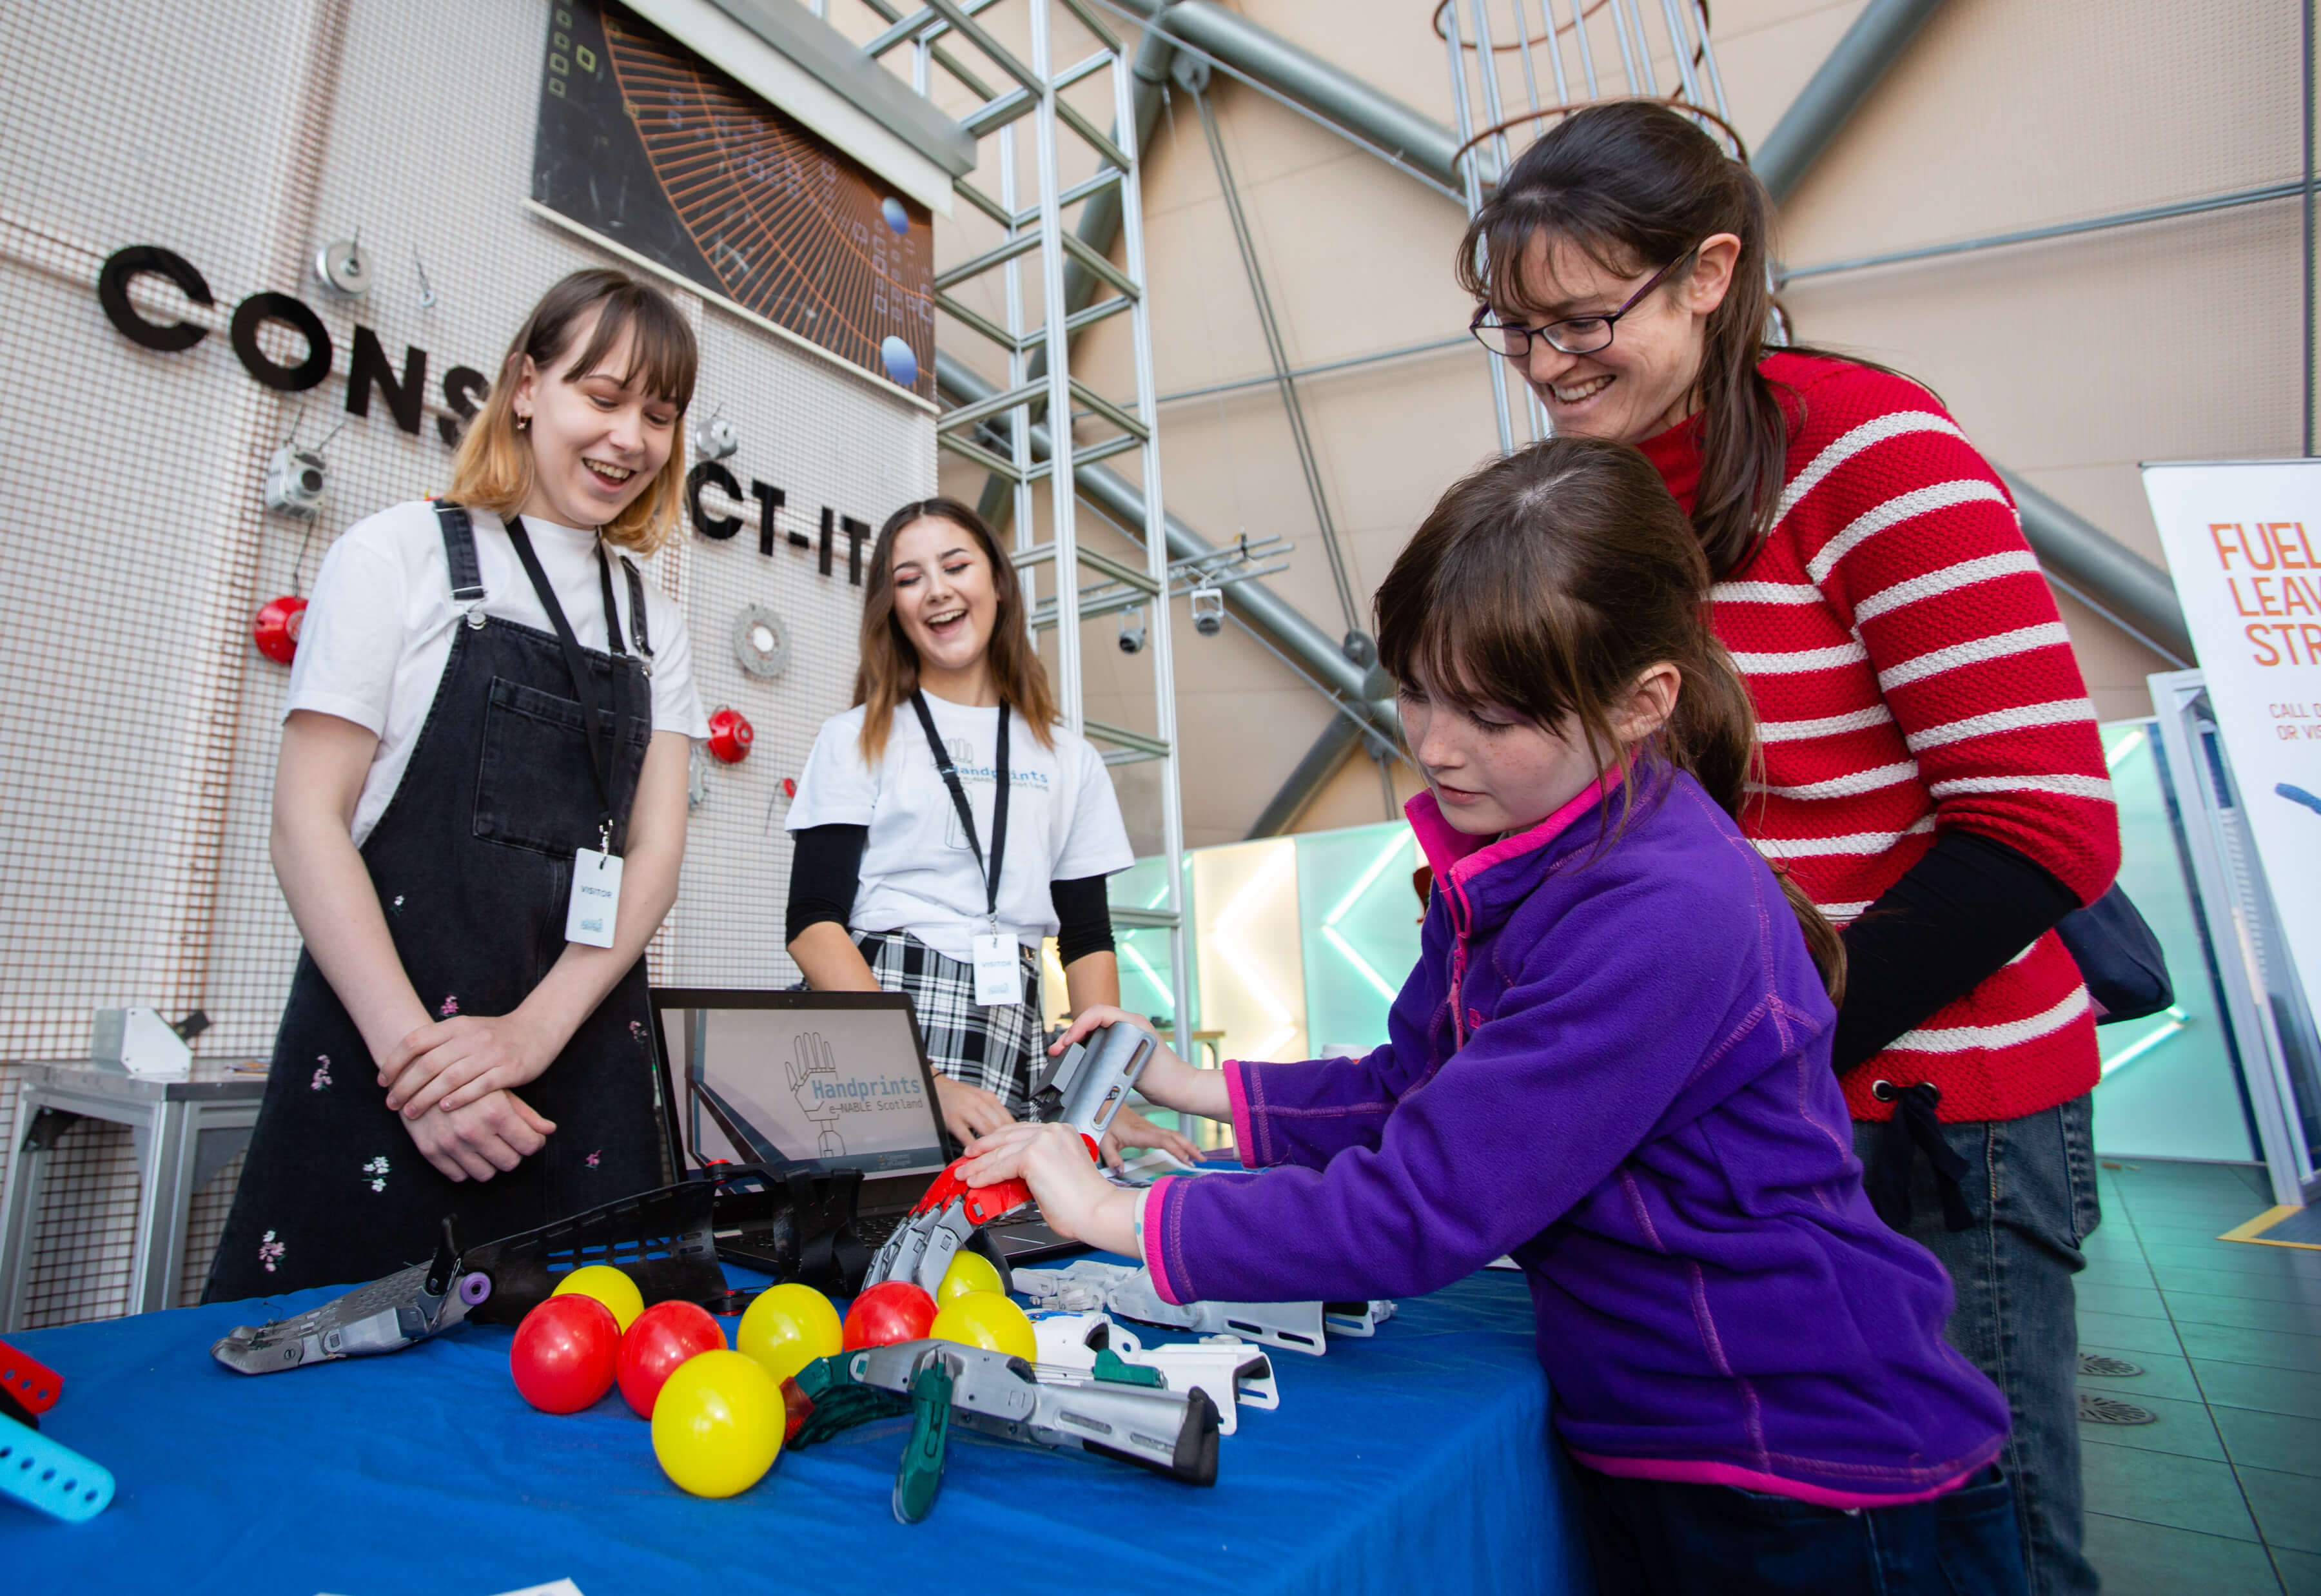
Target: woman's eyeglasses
1573,335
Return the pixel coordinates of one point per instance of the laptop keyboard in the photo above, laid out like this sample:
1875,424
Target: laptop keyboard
874,1230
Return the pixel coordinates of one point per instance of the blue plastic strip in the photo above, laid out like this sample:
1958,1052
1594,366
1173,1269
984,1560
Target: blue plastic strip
52,1476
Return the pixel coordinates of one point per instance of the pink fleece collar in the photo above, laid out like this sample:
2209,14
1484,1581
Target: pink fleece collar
1458,856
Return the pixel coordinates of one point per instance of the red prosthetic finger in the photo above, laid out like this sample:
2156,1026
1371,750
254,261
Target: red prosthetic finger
987,1203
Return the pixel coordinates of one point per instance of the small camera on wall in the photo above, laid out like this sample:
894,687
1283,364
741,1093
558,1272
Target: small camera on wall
715,438
1208,604
297,481
1132,632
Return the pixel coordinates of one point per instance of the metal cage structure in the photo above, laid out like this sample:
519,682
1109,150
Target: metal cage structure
1563,65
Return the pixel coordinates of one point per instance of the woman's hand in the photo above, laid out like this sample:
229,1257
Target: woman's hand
1168,1080
489,1137
456,1062
1075,1200
970,1111
1132,1129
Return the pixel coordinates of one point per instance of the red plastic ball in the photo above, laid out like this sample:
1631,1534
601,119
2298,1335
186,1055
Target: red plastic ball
565,1354
662,1337
894,1311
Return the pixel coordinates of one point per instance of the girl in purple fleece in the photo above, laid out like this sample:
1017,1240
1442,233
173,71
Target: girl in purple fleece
1612,1062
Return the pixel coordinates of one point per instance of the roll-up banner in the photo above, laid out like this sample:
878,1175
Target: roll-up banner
2243,544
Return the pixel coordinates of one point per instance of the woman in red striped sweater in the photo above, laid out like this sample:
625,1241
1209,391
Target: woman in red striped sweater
1932,775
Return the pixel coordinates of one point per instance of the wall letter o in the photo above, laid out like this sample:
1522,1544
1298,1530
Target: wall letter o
260,308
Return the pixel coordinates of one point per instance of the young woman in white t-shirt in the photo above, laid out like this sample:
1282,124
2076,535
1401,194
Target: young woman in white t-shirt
485,749
891,885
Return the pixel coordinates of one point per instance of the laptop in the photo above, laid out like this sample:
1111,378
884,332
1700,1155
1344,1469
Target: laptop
815,1081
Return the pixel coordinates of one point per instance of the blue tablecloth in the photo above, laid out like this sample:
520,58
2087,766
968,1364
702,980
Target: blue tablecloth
1417,1460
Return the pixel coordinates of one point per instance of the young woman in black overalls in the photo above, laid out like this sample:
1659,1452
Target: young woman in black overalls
445,1049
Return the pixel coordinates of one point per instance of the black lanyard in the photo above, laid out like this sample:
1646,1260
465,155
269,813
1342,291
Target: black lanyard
959,800
599,755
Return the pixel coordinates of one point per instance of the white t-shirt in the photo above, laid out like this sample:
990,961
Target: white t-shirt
377,629
918,874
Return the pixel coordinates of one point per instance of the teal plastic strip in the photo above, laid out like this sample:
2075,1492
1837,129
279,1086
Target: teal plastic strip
50,1476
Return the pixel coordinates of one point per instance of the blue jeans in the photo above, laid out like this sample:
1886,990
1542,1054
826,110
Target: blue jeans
2030,1189
1655,1537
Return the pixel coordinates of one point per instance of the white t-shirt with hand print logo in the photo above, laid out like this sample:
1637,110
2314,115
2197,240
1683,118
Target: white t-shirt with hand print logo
918,872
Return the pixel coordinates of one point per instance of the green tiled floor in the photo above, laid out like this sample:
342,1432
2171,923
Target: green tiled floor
2223,1495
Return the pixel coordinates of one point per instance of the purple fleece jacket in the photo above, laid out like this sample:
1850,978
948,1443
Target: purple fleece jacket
1613,1064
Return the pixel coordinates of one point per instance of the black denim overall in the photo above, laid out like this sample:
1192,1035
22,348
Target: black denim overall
473,865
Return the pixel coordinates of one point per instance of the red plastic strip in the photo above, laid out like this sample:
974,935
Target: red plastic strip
29,1380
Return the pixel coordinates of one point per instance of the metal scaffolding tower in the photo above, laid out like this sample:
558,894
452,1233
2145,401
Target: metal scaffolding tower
1034,335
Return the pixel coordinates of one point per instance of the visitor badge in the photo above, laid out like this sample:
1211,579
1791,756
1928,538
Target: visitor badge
999,976
596,899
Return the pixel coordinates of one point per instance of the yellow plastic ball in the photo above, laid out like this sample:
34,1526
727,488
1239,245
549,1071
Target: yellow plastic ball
609,1286
787,1326
969,1272
718,1424
986,1318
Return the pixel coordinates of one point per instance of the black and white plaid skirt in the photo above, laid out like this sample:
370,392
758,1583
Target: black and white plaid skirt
990,1047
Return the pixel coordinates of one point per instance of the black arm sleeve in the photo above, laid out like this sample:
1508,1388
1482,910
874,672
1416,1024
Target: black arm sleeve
1955,918
1083,918
825,873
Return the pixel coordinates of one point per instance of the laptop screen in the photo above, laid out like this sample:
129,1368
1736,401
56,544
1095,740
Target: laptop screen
800,1080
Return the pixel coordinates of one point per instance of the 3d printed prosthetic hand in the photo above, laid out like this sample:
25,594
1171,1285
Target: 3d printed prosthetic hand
1084,1089
939,1383
665,1240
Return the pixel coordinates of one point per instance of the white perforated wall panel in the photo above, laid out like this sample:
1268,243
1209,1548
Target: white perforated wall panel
138,727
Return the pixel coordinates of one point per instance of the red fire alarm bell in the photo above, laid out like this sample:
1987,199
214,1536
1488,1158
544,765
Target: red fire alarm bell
277,629
730,736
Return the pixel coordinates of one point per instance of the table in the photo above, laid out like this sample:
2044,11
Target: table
186,1130
1415,1461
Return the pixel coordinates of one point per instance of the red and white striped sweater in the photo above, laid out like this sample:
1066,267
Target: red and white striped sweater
1910,673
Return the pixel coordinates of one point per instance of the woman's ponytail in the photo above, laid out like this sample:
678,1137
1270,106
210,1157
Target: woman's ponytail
1713,735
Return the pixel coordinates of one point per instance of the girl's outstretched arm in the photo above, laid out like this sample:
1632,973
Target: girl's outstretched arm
1305,1112
1626,1009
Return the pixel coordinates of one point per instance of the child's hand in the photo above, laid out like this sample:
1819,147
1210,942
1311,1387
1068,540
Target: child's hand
1166,1076
1076,1200
1168,1080
1132,1129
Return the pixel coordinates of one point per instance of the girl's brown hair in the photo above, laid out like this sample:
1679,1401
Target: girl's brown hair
493,467
889,671
1635,185
1544,585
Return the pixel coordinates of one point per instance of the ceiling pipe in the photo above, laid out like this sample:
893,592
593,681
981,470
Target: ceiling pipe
2129,591
1836,89
1266,611
1337,744
1378,120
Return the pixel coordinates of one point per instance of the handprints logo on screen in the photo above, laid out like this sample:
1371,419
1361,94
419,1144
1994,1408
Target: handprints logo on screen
813,1081
847,1090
